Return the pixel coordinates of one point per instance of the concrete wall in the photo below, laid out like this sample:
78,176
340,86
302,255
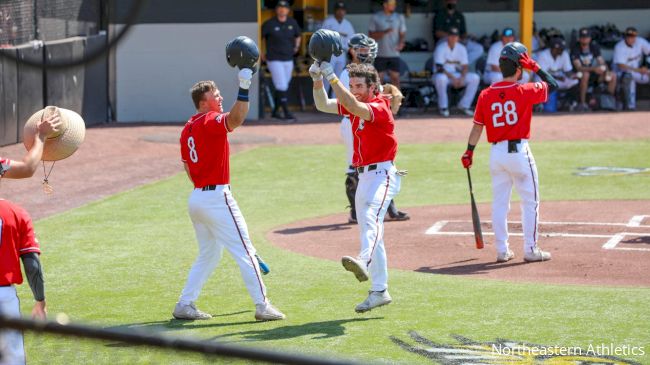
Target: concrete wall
419,24
156,64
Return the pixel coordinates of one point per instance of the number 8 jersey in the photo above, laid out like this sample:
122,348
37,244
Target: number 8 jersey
205,149
506,108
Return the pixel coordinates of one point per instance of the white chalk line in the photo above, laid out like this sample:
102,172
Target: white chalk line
611,244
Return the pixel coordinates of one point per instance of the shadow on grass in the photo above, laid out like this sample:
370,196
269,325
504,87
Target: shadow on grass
319,330
322,227
467,268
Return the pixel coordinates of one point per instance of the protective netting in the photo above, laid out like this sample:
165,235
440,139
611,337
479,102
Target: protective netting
22,21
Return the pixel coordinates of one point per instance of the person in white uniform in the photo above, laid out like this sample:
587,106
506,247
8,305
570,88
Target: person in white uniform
556,61
338,23
451,68
492,71
628,57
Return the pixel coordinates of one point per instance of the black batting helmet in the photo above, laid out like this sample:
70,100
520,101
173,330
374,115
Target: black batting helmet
242,52
324,43
509,59
361,41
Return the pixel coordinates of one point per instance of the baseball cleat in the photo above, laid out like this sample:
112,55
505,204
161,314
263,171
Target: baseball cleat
267,312
356,267
535,254
505,256
444,112
400,216
352,220
189,312
375,299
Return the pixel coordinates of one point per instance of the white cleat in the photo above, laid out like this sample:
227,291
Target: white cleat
375,299
356,267
267,312
505,256
189,312
444,112
535,254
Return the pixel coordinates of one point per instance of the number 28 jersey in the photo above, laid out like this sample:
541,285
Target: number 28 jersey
205,149
506,108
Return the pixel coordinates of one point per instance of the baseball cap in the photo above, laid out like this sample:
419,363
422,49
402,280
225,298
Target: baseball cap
558,43
584,32
631,31
453,31
282,4
508,32
339,5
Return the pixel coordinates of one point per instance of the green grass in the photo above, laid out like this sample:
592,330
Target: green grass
121,263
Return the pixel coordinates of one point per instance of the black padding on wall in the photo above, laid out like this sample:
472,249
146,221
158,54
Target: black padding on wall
64,87
8,100
30,86
95,87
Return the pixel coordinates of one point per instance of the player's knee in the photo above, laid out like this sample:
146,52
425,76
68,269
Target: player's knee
472,78
441,80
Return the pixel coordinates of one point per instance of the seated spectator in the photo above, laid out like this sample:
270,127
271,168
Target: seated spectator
628,56
451,67
556,61
388,28
587,60
492,71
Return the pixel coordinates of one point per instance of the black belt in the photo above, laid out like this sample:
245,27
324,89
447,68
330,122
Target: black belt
372,167
209,187
2,286
512,145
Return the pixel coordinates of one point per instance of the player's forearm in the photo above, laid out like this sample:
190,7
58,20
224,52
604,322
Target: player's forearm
550,80
475,135
376,35
27,167
34,273
237,114
323,103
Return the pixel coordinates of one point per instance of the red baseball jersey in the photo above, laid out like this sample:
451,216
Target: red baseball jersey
17,238
205,148
506,108
374,139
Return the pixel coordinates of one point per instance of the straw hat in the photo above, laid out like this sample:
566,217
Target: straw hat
63,143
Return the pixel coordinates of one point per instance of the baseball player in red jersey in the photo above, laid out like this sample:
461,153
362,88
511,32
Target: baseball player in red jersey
505,110
17,242
216,217
375,147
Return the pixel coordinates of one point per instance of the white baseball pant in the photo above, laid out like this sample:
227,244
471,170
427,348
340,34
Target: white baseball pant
338,63
12,351
519,169
219,223
471,86
637,77
567,83
375,191
280,73
348,140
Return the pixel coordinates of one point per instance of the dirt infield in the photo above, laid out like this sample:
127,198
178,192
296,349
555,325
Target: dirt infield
440,240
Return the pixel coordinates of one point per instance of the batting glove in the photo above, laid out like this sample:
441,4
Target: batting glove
245,76
314,72
327,70
528,63
467,159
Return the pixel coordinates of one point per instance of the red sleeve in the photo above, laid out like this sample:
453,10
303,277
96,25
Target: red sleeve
479,116
28,242
216,123
184,148
379,111
537,92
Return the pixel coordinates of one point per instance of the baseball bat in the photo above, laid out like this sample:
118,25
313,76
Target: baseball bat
264,268
476,221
